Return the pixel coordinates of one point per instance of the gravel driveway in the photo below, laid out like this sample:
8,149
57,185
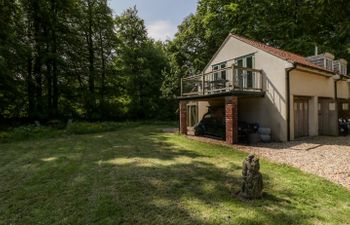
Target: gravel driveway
328,157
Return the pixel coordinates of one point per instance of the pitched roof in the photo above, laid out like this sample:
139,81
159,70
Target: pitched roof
285,55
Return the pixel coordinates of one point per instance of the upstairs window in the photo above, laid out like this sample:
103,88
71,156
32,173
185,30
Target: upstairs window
329,64
221,73
245,78
343,69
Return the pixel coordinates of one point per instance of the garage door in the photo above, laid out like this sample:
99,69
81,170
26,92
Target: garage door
327,117
301,117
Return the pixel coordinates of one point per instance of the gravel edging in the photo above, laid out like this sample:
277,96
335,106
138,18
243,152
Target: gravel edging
327,157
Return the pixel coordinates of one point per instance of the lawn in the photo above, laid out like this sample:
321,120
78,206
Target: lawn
140,175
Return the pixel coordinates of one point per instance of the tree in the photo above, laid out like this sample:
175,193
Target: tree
293,25
140,61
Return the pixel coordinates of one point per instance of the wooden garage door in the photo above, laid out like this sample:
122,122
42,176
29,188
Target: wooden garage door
301,117
327,117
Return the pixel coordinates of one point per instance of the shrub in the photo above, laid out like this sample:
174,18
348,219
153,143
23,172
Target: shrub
88,128
27,132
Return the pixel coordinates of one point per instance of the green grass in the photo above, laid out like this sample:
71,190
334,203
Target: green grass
139,175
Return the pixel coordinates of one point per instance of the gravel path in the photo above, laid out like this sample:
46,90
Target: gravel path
328,157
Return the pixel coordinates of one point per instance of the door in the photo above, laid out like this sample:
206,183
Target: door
192,112
327,117
245,78
301,117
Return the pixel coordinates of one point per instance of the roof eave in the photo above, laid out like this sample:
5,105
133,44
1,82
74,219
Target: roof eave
314,69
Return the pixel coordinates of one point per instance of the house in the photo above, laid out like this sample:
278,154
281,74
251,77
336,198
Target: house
253,82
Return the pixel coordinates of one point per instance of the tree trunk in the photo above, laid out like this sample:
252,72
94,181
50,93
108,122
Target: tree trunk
92,100
54,61
49,87
30,89
38,85
103,72
37,61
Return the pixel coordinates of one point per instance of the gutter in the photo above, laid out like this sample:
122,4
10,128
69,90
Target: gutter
288,99
336,102
336,90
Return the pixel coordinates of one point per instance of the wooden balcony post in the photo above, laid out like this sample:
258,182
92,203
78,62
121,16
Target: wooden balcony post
181,90
203,82
233,76
262,79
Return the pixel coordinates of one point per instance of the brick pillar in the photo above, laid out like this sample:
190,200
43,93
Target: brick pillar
231,108
183,117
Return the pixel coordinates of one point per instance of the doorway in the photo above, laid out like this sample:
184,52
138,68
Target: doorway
301,117
327,117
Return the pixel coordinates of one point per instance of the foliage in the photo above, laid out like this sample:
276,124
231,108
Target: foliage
140,62
90,128
293,25
119,177
71,58
29,132
56,128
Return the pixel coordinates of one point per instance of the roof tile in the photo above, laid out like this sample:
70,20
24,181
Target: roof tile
289,56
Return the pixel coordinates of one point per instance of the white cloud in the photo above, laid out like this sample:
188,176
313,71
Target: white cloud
161,30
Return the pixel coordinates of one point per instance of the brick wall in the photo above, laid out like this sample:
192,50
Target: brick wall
231,108
183,117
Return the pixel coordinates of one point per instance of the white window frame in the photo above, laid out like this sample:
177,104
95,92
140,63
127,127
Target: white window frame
244,64
219,66
343,69
331,63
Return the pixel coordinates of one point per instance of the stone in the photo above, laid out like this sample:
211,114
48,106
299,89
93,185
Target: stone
69,122
37,123
252,185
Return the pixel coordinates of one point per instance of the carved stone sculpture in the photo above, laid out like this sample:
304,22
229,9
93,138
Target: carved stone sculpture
252,179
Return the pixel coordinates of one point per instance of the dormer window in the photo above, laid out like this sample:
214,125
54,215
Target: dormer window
343,69
340,66
324,60
329,64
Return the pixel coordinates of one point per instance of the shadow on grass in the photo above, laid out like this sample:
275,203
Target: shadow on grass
131,177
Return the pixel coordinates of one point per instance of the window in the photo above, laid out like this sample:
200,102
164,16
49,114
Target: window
249,73
216,74
192,113
343,69
345,106
245,78
221,75
329,64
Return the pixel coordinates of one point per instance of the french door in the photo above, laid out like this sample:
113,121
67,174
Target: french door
245,78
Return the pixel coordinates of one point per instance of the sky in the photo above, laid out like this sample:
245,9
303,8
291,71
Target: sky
161,16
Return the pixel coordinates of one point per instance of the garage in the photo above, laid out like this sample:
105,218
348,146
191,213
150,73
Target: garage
301,117
327,117
344,109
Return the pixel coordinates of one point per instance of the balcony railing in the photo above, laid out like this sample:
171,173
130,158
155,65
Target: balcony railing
228,79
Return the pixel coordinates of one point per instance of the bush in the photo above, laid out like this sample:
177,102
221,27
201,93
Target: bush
56,129
27,132
89,128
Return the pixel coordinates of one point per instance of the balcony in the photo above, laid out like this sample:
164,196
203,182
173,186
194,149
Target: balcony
232,80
